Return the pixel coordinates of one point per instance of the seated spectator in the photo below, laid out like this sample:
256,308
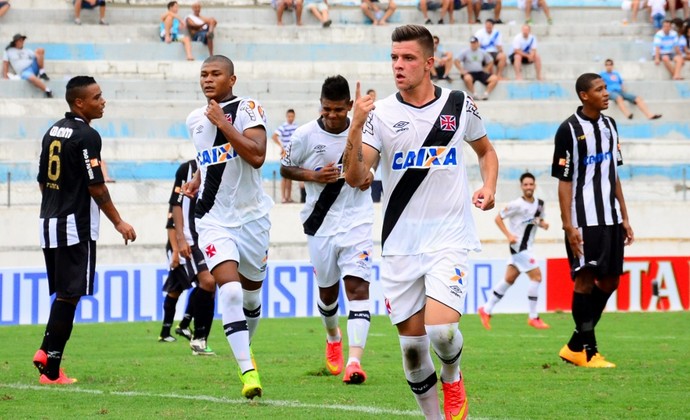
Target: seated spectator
443,62
170,29
445,6
89,5
289,5
657,12
614,84
525,52
373,10
4,7
491,41
495,5
473,64
319,8
667,51
673,5
26,64
201,28
529,5
636,6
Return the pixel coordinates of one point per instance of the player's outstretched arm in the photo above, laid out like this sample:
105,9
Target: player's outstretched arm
356,165
502,226
484,198
179,240
326,175
100,194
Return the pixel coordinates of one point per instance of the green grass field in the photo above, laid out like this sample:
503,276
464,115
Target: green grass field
511,372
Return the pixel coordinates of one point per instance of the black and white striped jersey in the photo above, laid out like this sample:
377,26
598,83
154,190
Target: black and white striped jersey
184,174
587,153
70,161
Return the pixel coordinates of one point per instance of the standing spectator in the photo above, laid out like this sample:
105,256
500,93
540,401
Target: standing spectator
89,5
185,242
73,195
201,28
657,12
26,64
281,137
232,212
666,50
289,5
428,228
377,12
673,5
496,5
443,62
614,84
338,221
170,29
684,41
319,8
491,41
525,52
594,215
529,5
525,214
473,64
4,7
445,6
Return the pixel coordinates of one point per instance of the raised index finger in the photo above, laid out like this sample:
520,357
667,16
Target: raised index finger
358,92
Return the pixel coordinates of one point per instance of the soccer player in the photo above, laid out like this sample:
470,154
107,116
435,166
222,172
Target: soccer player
201,305
73,192
595,219
428,228
281,137
525,214
337,220
231,213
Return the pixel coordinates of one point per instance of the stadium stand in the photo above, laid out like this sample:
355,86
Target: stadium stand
150,89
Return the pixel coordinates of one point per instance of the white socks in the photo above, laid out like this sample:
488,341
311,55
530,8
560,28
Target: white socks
358,322
251,304
532,295
420,374
447,341
496,295
234,323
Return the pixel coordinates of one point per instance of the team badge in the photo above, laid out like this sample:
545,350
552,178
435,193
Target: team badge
210,250
229,118
448,122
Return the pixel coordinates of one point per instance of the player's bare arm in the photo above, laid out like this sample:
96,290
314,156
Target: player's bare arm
484,198
250,145
502,226
356,165
175,262
565,191
179,240
326,175
629,234
191,188
100,194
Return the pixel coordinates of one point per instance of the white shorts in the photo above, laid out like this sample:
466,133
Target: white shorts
247,245
524,261
407,280
521,4
343,254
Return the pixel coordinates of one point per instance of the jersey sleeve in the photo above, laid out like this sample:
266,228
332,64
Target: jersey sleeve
619,152
294,151
250,114
475,126
370,132
508,210
562,164
91,149
42,176
176,196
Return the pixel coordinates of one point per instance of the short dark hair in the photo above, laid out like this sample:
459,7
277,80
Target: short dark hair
584,82
171,4
608,60
290,111
75,88
417,33
526,175
221,59
335,88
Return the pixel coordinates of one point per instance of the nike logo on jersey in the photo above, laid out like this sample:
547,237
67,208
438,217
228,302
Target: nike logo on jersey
216,155
425,157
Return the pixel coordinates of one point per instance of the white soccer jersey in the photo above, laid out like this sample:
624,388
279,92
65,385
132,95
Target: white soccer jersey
231,191
524,44
312,147
436,215
489,42
523,220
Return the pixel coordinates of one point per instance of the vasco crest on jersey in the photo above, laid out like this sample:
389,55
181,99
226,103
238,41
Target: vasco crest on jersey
447,122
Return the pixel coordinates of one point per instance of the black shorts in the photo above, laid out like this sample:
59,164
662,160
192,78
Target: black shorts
603,247
480,76
88,6
184,276
71,269
524,59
